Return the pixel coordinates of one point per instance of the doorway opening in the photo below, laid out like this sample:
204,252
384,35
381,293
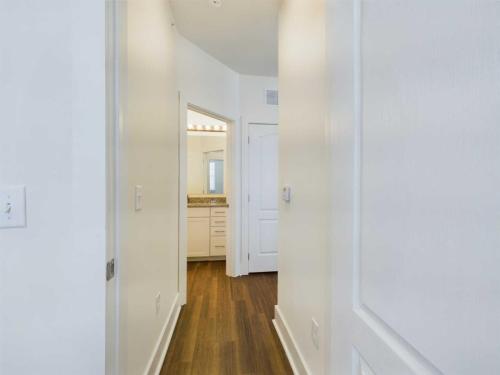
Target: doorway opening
208,183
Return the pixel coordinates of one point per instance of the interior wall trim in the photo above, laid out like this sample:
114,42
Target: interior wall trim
292,351
160,352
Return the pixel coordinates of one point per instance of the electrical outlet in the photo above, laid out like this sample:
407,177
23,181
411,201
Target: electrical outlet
158,303
315,333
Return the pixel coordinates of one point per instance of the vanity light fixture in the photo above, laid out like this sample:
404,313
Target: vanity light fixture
208,128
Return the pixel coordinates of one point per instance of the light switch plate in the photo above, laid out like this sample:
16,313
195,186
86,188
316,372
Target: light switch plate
12,206
138,197
286,193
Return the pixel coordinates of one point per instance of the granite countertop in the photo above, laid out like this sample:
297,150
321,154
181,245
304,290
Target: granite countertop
201,204
207,201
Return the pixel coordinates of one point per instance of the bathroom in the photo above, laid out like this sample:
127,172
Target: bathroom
207,187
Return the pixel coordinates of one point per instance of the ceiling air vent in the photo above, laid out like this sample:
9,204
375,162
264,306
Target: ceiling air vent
272,97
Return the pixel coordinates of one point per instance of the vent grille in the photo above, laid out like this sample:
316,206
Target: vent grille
272,97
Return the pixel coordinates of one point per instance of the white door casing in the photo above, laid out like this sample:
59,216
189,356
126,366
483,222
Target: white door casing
263,205
415,93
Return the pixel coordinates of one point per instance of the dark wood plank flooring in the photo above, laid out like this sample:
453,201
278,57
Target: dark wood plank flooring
226,326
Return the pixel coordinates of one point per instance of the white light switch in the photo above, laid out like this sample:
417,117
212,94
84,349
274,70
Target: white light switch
138,197
12,206
286,193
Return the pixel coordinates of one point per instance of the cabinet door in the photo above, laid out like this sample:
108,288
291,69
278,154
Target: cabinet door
198,237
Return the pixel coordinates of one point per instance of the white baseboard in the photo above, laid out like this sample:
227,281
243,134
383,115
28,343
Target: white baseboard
292,351
156,362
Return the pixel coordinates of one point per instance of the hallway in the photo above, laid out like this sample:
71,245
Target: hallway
226,326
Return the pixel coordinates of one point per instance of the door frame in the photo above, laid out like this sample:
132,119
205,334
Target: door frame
233,191
114,26
245,193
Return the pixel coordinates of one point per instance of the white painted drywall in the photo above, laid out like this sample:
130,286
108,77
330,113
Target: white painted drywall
205,82
253,105
52,139
303,243
148,261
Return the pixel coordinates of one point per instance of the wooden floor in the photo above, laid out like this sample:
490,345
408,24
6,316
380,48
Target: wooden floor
226,327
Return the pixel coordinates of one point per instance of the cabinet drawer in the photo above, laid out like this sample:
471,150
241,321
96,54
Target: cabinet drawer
218,221
218,246
218,232
218,211
199,212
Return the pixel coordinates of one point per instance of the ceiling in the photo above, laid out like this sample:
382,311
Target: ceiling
242,34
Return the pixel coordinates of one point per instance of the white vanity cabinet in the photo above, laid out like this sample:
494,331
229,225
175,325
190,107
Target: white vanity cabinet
218,221
207,231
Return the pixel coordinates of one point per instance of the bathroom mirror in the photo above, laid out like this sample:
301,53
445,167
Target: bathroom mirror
206,153
214,172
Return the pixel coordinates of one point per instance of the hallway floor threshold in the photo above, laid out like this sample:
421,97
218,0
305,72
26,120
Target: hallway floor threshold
226,326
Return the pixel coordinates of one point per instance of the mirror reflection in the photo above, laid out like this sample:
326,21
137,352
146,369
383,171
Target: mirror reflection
206,154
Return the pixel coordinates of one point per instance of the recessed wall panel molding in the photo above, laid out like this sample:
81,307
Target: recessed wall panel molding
423,241
361,367
383,303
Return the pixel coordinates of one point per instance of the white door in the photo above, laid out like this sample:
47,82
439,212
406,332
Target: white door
263,205
416,187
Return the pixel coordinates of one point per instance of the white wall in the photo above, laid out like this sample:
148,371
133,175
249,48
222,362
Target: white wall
303,244
52,139
253,100
149,239
206,82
